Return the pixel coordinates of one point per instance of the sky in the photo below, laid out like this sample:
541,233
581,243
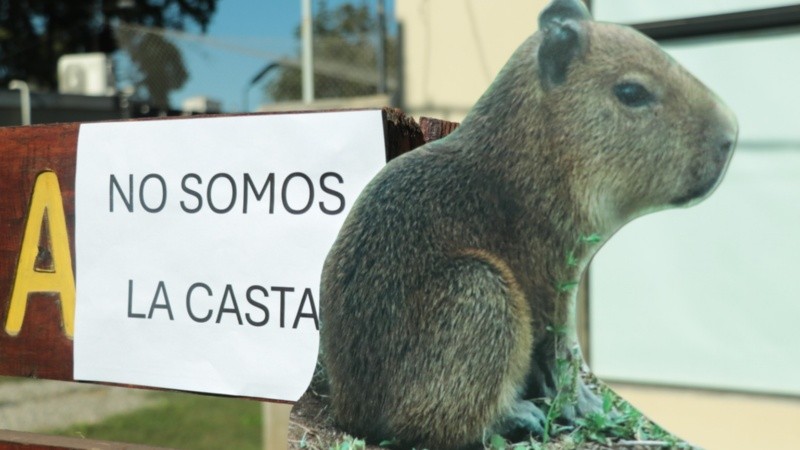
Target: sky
243,37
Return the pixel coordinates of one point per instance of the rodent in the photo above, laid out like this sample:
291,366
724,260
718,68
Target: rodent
441,294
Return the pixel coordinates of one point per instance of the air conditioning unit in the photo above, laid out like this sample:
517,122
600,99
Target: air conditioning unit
201,105
86,74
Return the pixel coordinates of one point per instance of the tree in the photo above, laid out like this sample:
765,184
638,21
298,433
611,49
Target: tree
345,55
158,66
35,33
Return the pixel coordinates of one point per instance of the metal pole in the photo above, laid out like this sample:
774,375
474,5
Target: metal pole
398,96
256,78
307,36
24,99
381,47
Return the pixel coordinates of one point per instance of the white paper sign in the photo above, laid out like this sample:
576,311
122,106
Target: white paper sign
200,242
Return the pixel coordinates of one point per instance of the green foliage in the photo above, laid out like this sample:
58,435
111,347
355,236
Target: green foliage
619,420
160,68
35,33
588,239
572,261
345,47
349,443
593,238
567,376
497,442
602,426
567,286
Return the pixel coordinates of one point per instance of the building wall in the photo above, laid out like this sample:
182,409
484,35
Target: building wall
454,48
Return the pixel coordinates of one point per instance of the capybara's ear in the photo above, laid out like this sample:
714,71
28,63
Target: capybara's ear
563,39
559,11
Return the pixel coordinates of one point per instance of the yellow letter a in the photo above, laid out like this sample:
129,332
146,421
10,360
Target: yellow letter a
46,205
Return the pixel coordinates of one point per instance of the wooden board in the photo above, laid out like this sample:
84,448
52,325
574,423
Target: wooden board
42,348
17,440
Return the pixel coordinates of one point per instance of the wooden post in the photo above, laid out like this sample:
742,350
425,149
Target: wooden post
275,420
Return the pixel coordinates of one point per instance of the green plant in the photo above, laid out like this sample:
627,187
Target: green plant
349,443
619,421
567,373
603,426
389,442
497,442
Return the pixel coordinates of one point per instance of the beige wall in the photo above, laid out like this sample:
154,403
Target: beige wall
454,48
720,420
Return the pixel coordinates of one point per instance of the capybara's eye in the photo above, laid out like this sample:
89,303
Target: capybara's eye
633,94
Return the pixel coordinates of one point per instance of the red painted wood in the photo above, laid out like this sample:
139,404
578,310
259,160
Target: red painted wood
41,349
16,440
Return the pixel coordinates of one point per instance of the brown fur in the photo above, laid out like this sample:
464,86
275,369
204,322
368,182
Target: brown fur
441,292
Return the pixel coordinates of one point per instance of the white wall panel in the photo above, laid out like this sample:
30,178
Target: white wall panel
708,296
